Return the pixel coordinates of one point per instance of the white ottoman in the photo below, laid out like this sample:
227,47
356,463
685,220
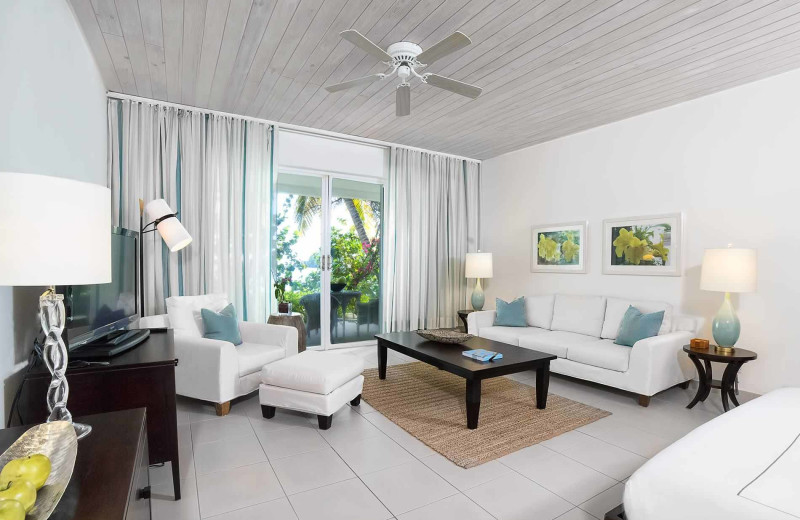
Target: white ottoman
311,382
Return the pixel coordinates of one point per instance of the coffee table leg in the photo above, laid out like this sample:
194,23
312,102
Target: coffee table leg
473,402
542,386
381,361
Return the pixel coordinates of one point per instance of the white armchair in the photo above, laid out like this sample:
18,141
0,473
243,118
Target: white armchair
215,370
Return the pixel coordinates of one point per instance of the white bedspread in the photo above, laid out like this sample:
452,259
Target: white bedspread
729,468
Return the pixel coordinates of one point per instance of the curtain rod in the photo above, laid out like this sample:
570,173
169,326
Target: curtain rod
286,126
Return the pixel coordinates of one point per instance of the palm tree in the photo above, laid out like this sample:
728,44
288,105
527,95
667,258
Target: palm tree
306,208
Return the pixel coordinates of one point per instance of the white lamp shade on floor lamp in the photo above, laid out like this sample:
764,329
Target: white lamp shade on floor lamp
171,230
53,231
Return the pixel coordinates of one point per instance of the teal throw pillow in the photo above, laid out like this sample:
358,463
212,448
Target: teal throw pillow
636,326
221,325
510,314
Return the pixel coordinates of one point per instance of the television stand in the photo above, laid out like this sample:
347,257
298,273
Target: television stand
111,345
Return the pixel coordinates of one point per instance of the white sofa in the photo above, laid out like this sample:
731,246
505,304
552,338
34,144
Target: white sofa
215,370
580,330
742,465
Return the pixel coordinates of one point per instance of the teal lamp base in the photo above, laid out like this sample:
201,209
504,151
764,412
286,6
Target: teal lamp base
725,326
478,298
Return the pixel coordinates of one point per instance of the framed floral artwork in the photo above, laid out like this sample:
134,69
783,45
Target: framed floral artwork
643,245
559,248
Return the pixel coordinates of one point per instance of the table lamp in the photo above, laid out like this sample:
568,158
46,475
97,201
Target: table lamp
54,231
479,265
728,270
165,221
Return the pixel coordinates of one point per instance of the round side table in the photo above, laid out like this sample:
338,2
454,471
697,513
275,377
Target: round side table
734,361
295,320
463,316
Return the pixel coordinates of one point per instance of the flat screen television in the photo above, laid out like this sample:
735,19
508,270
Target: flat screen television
94,311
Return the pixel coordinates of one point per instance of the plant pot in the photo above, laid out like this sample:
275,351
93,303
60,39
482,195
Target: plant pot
338,287
284,307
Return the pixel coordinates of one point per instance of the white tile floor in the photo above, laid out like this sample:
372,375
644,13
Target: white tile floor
365,467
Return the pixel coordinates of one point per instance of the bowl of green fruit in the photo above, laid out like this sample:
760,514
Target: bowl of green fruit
36,470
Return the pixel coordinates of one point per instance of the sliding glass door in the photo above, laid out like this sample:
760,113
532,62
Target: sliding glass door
328,250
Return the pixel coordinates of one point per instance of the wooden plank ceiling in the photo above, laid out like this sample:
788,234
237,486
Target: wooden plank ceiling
548,68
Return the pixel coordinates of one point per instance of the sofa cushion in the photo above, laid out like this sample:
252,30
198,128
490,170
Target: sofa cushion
315,372
539,310
602,353
510,335
184,312
580,314
616,308
510,314
556,343
253,356
636,325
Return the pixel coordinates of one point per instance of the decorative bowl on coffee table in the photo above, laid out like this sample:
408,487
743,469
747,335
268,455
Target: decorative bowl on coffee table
451,336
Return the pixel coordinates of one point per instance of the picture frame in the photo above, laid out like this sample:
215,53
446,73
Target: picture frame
560,248
646,245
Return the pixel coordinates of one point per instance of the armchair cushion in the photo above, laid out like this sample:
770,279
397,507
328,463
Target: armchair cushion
184,312
253,356
221,325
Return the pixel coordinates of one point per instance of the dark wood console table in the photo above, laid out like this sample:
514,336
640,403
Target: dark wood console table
110,480
143,377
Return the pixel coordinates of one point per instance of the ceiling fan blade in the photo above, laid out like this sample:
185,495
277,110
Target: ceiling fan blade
362,42
452,43
403,101
366,80
459,87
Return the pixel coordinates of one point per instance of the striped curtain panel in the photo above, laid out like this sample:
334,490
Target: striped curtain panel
216,172
432,215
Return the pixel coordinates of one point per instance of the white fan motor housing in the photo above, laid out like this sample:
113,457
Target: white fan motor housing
404,51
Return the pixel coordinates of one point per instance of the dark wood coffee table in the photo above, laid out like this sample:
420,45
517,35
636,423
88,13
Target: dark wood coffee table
449,358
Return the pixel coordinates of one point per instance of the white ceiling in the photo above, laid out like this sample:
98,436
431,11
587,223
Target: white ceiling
548,68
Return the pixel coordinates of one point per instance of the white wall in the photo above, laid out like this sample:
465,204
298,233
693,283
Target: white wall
52,122
730,162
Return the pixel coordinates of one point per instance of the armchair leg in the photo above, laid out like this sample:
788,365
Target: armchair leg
644,400
223,408
684,385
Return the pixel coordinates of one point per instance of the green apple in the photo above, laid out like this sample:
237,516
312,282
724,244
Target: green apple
22,491
11,510
34,468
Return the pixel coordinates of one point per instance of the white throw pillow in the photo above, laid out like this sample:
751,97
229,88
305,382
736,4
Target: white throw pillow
579,314
539,310
615,310
184,312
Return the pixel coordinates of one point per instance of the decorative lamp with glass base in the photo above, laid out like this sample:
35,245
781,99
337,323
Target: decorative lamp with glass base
728,270
54,231
479,265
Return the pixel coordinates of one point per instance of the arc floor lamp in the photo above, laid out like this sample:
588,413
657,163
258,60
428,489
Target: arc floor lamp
165,221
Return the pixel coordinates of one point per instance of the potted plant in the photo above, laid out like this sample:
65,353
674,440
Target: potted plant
284,307
338,285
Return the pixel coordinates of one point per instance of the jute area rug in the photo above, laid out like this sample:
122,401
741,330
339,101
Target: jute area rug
430,405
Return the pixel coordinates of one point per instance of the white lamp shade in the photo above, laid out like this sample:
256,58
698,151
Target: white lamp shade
479,265
170,229
729,270
53,231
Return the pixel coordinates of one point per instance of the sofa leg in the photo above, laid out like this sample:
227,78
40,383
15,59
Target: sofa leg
356,401
324,421
684,385
644,400
268,412
223,408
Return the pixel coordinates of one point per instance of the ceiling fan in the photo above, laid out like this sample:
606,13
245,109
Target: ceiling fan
404,58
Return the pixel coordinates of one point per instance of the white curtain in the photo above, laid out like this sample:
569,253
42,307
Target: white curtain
432,214
215,171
